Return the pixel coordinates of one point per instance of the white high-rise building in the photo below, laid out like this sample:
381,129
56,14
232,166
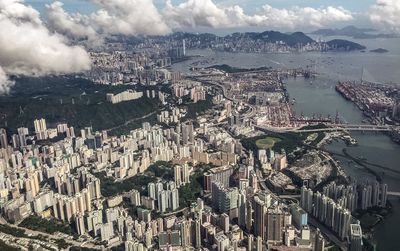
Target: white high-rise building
162,201
355,238
40,129
184,47
174,201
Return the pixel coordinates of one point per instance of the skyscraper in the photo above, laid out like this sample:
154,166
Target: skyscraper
355,237
3,138
319,244
224,199
178,175
383,199
174,200
187,133
249,216
151,187
40,129
259,217
184,47
162,201
242,209
274,225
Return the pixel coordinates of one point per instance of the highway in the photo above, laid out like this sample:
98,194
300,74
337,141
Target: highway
333,127
131,120
391,193
252,110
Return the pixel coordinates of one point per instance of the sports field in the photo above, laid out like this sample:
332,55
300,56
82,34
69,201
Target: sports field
267,143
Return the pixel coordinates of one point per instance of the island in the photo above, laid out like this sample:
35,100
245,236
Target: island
344,45
262,42
379,50
354,32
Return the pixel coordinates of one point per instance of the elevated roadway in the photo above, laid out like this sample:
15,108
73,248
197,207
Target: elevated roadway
330,128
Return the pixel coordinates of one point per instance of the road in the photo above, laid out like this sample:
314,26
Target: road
132,120
252,109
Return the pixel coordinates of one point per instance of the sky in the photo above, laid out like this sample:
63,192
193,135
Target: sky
359,10
39,37
248,5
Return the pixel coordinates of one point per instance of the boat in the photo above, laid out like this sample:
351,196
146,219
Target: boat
361,158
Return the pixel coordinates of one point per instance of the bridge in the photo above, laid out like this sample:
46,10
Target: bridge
391,193
350,127
331,127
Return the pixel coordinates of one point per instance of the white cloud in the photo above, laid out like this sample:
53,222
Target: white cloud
386,13
76,26
205,13
141,17
114,17
5,83
303,17
129,17
17,11
27,47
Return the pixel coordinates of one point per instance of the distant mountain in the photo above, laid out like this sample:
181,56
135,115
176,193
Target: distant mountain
276,36
352,31
290,39
346,31
344,45
208,40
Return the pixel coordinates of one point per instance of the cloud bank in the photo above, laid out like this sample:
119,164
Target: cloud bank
27,47
386,13
129,17
141,17
114,17
205,13
73,26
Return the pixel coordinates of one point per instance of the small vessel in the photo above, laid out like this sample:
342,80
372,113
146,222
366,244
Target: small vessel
361,158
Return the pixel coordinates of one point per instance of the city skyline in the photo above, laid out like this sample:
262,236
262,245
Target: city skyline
54,33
